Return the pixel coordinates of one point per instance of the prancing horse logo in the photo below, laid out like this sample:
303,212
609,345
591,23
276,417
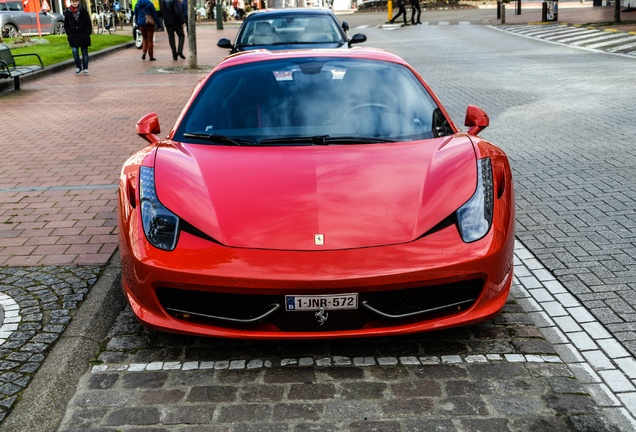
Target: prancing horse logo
321,316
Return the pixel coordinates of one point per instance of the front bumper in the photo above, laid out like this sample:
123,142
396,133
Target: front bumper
168,291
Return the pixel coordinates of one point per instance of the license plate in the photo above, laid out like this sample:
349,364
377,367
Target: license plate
326,302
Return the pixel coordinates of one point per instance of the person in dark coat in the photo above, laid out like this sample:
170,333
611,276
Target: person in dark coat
401,11
144,8
78,27
174,20
415,7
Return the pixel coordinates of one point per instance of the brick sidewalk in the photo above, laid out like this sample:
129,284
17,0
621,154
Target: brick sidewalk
67,138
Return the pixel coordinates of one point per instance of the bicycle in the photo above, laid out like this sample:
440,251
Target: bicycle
105,22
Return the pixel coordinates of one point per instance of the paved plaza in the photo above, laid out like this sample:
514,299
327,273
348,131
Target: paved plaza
549,362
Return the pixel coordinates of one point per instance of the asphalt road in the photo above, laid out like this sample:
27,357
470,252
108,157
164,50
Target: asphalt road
564,347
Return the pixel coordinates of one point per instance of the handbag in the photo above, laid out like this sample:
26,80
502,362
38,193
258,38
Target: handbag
150,20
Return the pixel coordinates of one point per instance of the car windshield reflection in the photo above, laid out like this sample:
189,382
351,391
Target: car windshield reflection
318,101
290,30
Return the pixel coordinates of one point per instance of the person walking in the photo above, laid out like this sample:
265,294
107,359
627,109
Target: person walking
78,27
174,21
415,7
146,17
401,11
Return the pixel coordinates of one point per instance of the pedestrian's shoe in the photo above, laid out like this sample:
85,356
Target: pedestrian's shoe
391,21
174,57
182,56
85,71
143,56
152,59
78,71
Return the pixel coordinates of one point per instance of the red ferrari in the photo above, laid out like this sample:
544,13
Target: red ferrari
315,194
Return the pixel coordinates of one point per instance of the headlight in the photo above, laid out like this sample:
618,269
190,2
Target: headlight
161,226
475,217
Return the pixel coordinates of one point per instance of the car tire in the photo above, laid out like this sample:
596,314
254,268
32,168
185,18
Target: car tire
9,31
58,29
138,39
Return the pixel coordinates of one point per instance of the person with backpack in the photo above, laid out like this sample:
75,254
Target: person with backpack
146,18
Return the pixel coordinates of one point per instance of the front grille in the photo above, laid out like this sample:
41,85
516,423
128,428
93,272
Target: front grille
420,301
381,308
234,307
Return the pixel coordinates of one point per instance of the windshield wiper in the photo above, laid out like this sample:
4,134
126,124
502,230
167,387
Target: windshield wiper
323,140
219,138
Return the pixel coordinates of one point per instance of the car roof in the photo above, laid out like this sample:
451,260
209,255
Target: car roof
255,56
290,11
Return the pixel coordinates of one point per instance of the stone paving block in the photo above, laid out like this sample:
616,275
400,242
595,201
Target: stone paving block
417,389
363,390
306,391
616,381
297,411
603,395
627,366
144,380
187,415
407,407
518,405
245,413
613,349
384,426
210,394
598,360
137,416
584,373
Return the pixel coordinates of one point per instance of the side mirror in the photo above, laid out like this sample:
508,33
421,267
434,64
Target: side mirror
476,119
345,26
148,128
224,43
357,38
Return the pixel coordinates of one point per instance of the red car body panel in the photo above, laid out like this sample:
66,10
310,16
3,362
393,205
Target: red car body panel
280,197
262,206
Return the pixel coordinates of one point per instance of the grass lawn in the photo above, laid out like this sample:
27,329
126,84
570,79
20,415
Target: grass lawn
54,49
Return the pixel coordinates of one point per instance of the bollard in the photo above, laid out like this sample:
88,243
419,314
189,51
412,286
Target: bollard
219,16
503,13
518,7
498,9
544,11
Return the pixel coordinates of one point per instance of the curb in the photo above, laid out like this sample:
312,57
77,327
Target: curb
43,403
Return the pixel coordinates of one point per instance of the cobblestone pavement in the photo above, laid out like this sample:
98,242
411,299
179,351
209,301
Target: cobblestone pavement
38,304
505,375
58,182
57,208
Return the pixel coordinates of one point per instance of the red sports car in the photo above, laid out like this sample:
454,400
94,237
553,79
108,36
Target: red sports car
315,194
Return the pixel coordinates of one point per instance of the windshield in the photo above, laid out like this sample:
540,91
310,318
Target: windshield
290,30
318,101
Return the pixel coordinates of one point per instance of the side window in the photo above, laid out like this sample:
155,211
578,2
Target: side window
15,6
3,7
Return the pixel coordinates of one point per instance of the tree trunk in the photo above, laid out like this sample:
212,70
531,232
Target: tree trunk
192,34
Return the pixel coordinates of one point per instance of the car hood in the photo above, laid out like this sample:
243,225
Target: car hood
288,197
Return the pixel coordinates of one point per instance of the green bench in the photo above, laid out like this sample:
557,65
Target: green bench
8,68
